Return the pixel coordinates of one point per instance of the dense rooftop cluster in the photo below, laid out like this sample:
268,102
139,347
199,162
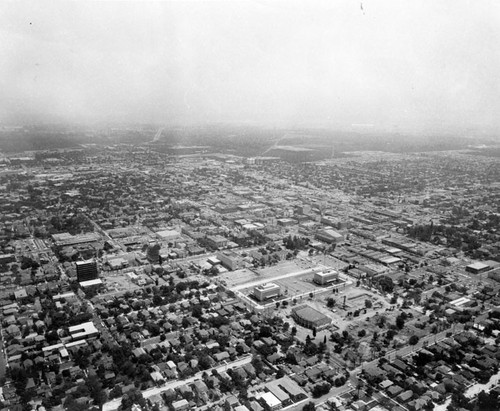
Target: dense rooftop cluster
128,278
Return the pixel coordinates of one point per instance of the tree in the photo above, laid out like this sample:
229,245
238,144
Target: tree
386,284
204,362
413,340
310,406
133,397
265,331
310,348
320,389
116,392
71,404
258,365
488,402
368,303
197,311
458,400
96,391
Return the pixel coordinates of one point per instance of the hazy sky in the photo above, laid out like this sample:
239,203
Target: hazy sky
392,63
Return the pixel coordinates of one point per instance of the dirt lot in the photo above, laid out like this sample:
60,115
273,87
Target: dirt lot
238,277
117,281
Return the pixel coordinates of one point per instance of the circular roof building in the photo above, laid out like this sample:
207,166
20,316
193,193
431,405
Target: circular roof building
310,318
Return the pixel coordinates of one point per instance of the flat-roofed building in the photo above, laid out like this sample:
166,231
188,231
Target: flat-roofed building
217,241
168,235
477,268
82,331
86,270
322,278
69,296
271,401
117,263
66,239
286,222
295,392
389,260
231,260
279,394
266,291
94,284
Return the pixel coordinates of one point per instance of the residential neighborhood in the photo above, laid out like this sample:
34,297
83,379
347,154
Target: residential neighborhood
137,279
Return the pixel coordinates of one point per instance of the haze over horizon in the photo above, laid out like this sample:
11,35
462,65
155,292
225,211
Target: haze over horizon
394,65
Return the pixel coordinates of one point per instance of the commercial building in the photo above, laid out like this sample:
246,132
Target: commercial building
286,222
270,400
168,235
117,263
83,331
477,268
86,270
322,278
92,284
217,241
230,260
266,291
310,318
281,395
329,236
295,392
66,239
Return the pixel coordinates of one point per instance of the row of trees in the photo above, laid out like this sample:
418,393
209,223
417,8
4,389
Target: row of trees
456,236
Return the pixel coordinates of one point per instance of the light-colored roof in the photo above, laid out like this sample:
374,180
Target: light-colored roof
478,266
82,330
270,399
90,283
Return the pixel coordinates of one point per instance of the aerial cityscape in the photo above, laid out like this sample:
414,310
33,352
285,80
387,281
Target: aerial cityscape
220,207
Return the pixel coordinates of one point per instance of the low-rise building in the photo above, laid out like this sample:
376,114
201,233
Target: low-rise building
217,241
266,291
323,278
82,331
329,236
477,268
310,318
231,260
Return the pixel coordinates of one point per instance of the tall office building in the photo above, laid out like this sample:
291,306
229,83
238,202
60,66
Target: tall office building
86,270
